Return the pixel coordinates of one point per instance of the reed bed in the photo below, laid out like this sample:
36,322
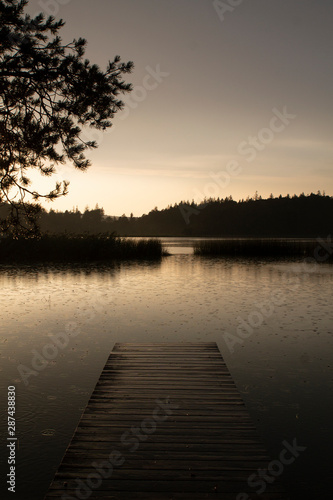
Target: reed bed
72,248
277,248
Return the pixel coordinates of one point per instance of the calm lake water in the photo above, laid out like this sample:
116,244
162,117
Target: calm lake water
280,358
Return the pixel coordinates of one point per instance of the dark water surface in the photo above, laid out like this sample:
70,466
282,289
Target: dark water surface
280,358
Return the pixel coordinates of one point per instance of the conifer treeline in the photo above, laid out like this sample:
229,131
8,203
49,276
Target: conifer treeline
288,216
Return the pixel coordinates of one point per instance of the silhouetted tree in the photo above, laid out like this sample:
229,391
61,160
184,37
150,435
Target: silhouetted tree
48,93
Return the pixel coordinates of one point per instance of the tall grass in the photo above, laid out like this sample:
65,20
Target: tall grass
277,248
72,248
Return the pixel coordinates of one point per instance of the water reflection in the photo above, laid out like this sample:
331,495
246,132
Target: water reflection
283,367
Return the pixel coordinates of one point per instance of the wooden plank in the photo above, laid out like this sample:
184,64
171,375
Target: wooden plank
153,486
238,447
144,495
166,422
75,462
158,456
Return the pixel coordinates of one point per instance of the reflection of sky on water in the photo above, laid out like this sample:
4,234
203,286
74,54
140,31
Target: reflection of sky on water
283,368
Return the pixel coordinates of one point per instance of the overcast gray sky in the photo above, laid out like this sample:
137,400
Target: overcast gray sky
228,99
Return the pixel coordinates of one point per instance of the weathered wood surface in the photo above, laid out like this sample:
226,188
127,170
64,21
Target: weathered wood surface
164,422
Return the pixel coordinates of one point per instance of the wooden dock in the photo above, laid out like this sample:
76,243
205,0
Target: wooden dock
165,422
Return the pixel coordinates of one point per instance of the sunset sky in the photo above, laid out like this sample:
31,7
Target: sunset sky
227,100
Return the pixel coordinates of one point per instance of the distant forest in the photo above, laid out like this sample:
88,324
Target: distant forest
288,216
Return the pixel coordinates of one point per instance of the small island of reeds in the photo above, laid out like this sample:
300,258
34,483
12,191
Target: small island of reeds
77,249
263,247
